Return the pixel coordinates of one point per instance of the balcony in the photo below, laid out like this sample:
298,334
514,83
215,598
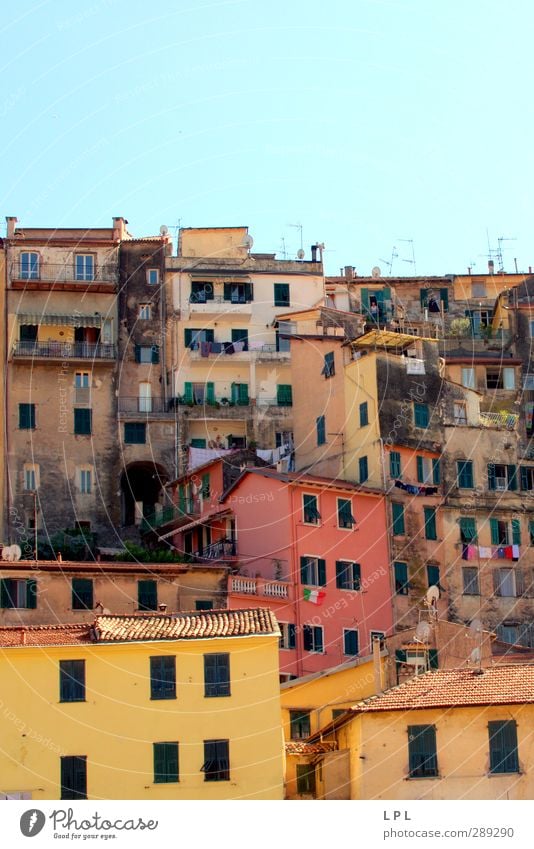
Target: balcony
219,306
172,514
134,407
504,420
223,549
262,587
215,351
30,350
62,276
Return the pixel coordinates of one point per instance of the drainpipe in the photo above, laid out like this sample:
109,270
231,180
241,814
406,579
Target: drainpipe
293,565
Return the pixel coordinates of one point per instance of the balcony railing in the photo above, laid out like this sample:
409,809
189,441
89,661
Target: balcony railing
258,587
217,299
217,349
189,509
220,550
142,405
507,421
65,350
62,273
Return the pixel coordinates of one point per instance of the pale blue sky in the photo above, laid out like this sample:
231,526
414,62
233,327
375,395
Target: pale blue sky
367,122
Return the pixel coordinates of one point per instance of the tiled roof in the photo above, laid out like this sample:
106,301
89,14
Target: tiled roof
198,625
203,624
298,747
302,479
496,685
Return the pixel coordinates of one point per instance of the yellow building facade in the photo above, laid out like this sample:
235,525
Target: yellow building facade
147,707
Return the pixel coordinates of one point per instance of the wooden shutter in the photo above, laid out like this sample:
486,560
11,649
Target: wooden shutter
304,570
31,593
524,477
497,582
137,353
420,469
342,575
444,297
364,297
516,531
321,571
422,750
318,638
155,354
227,291
307,637
210,392
503,746
494,531
243,394
512,477
491,476
188,392
436,471
423,297
188,336
433,658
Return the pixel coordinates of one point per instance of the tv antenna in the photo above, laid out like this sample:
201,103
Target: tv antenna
499,256
412,260
389,264
300,252
283,247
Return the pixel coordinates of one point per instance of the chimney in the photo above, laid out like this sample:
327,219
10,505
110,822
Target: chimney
491,266
119,229
349,272
377,667
314,253
11,222
162,608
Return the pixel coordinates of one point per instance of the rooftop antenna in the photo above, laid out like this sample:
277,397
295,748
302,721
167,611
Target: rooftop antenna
412,260
300,252
283,248
390,264
499,256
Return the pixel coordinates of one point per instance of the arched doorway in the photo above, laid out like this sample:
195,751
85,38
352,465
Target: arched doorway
141,485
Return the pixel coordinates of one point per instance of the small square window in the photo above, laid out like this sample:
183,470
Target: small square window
421,414
299,724
82,422
27,416
135,433
350,641
152,276
145,312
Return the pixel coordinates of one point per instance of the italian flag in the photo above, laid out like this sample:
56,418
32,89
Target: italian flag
315,596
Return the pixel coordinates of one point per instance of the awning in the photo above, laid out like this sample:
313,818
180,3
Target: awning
204,520
62,320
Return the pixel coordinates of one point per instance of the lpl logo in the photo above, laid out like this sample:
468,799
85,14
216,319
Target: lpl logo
32,822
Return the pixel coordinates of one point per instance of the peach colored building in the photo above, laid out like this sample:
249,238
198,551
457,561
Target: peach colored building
314,550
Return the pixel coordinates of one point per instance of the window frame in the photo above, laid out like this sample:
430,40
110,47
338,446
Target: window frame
471,582
219,755
82,273
356,635
144,312
288,636
348,575
320,429
279,299
72,681
83,421
329,366
73,761
27,416
171,772
345,517
220,663
31,475
149,273
299,723
141,429
314,568
313,638
316,521
421,412
428,767
162,668
33,271
512,755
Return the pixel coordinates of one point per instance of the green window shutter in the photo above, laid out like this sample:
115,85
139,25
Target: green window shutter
364,297
531,531
491,476
320,424
243,394
321,570
398,519
281,295
512,477
6,593
494,531
31,593
188,393
395,464
248,292
430,523
303,570
436,471
198,443
400,655
465,474
159,763
422,750
423,297
468,530
165,763
210,393
420,469
234,395
433,658
82,422
432,575
137,353
147,595
364,414
239,334
284,395
155,354
516,531
82,594
341,575
503,746
444,296
206,485
401,578
188,336
227,291
421,414
524,477
26,416
363,469
181,498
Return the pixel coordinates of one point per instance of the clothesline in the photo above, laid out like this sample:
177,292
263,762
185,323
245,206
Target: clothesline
486,552
416,490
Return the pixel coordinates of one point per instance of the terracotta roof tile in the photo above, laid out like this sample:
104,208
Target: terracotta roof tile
45,635
496,685
299,747
198,625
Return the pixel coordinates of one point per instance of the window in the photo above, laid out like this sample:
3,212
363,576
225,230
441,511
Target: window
281,295
436,471
147,595
345,519
430,523
497,378
306,779
364,414
401,578
470,580
363,469
84,482
193,337
460,412
423,762
288,638
516,531
468,529
198,443
348,575
464,474
238,293
216,675
350,641
216,766
163,677
135,433
84,267
165,763
503,746
145,312
74,777
81,380
531,531
478,289
299,724
240,334
397,511
468,378
310,510
421,415
502,477
504,583
378,635
72,680
82,422
313,571
29,266
82,594
432,575
320,425
152,276
203,604
18,593
284,395
27,416
146,354
424,473
240,394
395,464
313,638
527,478
201,292
31,477
498,532
205,490
434,299
329,368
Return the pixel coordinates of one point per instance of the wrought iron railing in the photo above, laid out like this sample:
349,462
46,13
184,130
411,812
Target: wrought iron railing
65,350
63,273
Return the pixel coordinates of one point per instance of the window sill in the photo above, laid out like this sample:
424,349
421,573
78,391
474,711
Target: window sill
502,774
72,701
422,777
163,698
217,696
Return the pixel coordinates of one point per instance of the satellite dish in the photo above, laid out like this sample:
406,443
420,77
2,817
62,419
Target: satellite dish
248,241
475,628
163,230
300,254
376,272
475,656
422,632
432,595
16,551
